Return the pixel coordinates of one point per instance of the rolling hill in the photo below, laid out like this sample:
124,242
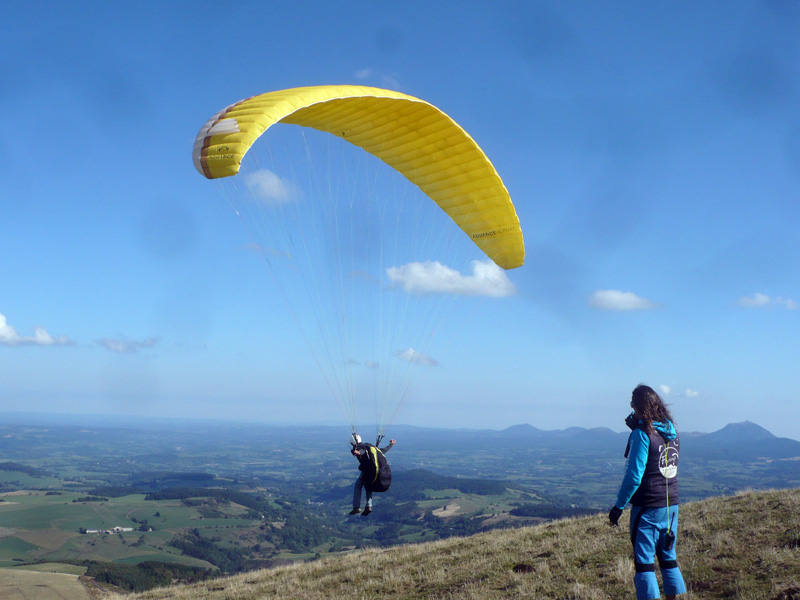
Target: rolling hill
745,546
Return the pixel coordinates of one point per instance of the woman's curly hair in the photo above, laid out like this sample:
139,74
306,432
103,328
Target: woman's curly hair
650,407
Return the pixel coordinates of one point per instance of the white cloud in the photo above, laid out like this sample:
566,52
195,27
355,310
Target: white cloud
40,337
270,188
386,80
753,301
667,391
759,300
419,358
484,279
126,346
617,300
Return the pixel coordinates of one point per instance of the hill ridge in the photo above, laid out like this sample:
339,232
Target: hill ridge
745,546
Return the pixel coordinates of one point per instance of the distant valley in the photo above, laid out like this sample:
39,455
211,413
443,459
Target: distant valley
219,497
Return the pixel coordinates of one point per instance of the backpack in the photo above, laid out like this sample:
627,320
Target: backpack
375,470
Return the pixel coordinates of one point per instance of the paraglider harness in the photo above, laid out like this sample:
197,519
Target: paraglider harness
669,536
375,471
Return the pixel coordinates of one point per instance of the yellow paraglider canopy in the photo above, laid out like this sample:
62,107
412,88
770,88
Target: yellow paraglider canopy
412,136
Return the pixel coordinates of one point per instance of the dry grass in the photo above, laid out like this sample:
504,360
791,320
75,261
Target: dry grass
745,547
18,584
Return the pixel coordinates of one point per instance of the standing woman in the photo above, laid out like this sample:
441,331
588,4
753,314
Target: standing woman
651,486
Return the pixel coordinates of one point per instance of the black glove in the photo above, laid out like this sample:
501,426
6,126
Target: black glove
613,516
632,420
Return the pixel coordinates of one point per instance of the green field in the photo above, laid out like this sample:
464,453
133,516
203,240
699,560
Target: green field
37,526
60,527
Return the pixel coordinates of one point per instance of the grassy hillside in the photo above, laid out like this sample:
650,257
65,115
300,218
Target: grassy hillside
21,584
745,547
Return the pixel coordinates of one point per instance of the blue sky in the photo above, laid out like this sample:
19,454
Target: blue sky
652,151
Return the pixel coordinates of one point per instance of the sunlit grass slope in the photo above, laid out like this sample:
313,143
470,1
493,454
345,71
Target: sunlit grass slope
745,547
40,583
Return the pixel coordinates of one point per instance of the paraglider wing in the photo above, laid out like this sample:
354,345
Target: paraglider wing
412,136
